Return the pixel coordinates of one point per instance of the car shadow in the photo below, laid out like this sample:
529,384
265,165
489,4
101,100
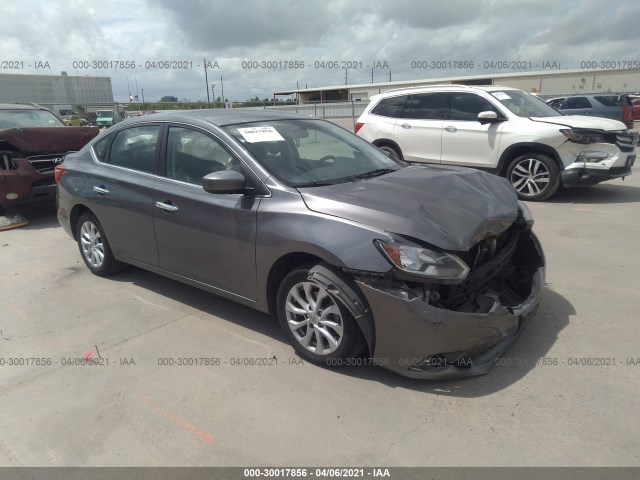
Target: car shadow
527,353
203,301
597,194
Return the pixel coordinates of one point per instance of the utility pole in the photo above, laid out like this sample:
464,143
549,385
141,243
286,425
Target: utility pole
371,74
389,75
346,76
142,97
206,82
222,87
213,94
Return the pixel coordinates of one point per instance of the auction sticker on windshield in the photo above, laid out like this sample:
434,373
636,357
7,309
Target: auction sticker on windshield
501,96
260,134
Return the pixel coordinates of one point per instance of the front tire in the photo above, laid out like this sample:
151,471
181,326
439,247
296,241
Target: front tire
317,325
94,247
391,151
534,176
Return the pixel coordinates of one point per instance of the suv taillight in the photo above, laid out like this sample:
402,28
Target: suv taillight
358,126
57,172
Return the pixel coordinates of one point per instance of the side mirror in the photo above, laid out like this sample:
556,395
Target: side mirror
488,117
224,181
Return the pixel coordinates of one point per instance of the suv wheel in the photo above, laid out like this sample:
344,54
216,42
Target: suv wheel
94,247
318,327
391,151
534,176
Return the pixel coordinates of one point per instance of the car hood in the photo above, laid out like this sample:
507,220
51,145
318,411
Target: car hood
47,139
448,207
582,121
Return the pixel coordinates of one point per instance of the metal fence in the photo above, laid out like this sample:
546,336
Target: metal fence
343,113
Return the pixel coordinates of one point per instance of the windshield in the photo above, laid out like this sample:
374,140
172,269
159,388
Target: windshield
28,118
307,153
104,114
524,104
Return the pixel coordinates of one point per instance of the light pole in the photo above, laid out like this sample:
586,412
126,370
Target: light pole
213,94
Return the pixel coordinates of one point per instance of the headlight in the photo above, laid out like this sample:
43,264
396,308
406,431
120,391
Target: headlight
437,267
583,136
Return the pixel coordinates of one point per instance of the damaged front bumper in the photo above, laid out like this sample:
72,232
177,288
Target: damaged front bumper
421,340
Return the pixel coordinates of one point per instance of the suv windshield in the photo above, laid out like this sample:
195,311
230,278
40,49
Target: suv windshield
309,153
28,118
524,105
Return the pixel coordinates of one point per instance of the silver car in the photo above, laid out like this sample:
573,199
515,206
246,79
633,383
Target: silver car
429,271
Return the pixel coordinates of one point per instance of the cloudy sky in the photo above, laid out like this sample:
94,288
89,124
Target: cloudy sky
237,33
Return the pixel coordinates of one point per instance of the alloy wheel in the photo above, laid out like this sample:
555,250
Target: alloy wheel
314,318
530,177
92,245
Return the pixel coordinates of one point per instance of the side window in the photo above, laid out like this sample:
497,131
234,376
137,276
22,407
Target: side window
425,106
135,148
191,155
390,107
577,102
101,146
467,106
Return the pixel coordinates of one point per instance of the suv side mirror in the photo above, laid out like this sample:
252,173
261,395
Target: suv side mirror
488,117
224,181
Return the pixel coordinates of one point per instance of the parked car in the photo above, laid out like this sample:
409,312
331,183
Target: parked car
32,141
504,130
75,121
432,271
635,105
106,118
616,107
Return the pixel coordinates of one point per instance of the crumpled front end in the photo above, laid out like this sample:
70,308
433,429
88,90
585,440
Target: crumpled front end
434,332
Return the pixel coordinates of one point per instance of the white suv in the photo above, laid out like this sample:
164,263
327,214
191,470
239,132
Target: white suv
501,129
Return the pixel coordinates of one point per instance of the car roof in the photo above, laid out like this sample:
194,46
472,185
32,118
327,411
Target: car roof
220,117
21,106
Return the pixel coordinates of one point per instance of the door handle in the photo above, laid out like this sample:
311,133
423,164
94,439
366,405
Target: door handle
101,190
451,129
405,125
167,206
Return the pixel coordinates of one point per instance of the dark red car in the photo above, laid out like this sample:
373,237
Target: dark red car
33,140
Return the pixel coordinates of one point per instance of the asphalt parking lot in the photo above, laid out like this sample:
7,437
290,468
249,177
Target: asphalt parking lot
566,394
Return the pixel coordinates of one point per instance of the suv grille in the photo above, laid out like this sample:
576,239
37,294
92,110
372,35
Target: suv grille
46,163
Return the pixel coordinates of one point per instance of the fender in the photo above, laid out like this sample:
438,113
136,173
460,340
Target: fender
341,288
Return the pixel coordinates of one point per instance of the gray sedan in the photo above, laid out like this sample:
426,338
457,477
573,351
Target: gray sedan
428,271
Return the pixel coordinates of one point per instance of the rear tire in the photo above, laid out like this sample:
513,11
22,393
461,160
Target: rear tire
534,176
94,247
318,326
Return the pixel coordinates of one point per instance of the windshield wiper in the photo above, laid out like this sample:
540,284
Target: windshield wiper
374,173
314,184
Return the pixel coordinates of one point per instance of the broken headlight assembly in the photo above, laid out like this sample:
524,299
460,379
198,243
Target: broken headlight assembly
430,265
583,136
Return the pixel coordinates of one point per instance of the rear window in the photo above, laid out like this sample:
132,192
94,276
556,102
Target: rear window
608,100
390,107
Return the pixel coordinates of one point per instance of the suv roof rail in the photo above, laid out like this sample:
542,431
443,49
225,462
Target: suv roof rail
439,85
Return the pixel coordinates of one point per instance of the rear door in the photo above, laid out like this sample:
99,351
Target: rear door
120,189
576,106
209,238
419,130
465,141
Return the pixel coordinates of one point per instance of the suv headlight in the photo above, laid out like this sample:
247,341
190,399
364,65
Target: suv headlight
583,136
437,267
